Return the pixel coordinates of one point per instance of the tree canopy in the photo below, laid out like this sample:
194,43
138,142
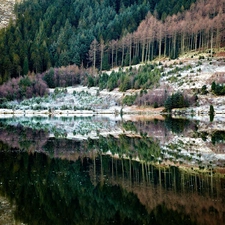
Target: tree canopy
57,33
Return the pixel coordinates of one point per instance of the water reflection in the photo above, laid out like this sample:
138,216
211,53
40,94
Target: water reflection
128,172
168,141
105,190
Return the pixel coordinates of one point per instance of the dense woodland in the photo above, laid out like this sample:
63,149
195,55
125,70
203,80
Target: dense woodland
60,45
94,33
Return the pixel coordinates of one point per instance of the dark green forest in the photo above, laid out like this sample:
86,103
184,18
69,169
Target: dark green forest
59,33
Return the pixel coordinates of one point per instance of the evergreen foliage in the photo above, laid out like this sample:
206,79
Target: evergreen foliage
176,125
218,137
129,99
204,90
176,100
144,77
218,89
54,33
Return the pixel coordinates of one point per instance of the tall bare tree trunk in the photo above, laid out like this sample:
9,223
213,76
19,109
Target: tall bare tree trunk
102,46
143,52
165,48
211,41
112,53
130,50
196,41
122,52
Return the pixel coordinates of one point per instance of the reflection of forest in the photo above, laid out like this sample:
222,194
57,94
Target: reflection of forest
163,130
170,142
105,190
20,138
200,195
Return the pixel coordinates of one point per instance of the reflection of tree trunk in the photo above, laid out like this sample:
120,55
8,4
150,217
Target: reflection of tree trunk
112,169
160,178
122,170
169,177
160,182
130,172
137,175
146,171
94,169
211,179
152,173
102,174
165,177
182,182
174,180
143,172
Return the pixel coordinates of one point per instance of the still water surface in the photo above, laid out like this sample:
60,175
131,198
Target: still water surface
102,171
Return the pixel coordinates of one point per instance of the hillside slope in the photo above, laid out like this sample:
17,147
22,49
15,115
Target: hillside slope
192,75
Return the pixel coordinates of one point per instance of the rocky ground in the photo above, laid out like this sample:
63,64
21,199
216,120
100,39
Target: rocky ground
6,12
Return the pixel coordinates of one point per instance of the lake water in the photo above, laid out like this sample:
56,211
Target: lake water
99,170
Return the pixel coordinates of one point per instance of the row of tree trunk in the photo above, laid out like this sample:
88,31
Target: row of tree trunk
200,28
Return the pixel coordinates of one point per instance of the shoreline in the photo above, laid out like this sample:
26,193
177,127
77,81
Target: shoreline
128,110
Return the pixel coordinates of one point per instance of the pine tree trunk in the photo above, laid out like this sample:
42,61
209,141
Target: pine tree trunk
122,53
130,51
146,52
116,57
182,43
200,40
160,46
174,45
143,52
165,48
196,41
102,53
112,55
211,42
218,38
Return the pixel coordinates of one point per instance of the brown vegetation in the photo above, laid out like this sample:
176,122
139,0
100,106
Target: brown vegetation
200,28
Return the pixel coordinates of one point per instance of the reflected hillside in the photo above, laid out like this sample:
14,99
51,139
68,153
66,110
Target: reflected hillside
168,142
105,190
67,127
